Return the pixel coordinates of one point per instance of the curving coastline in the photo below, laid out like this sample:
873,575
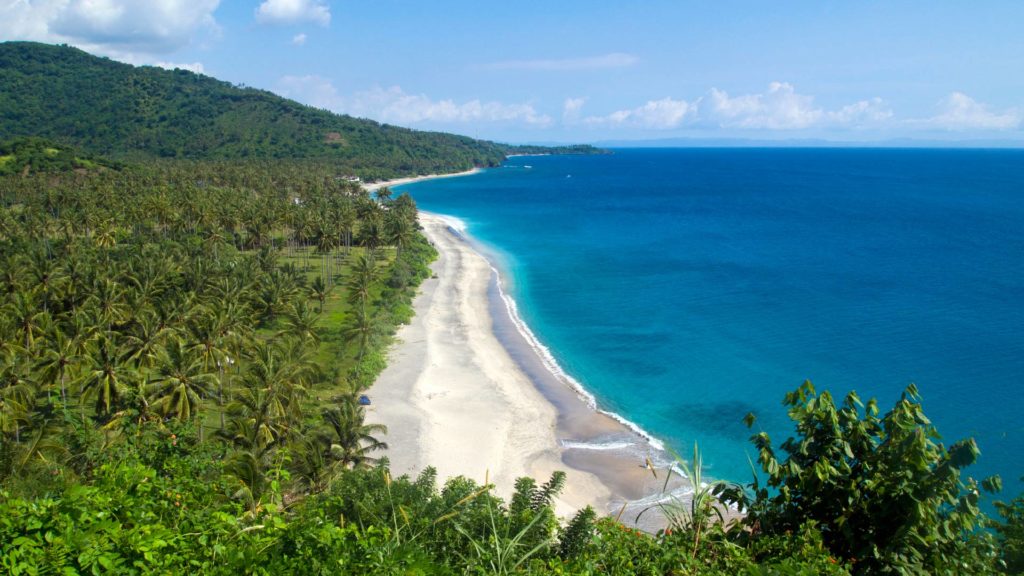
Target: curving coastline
470,390
410,179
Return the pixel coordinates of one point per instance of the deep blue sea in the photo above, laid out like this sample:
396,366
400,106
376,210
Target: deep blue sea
687,287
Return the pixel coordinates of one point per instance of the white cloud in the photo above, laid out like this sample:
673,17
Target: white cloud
293,12
657,114
395,106
613,60
571,109
783,108
779,108
299,39
861,113
130,30
312,90
959,111
196,67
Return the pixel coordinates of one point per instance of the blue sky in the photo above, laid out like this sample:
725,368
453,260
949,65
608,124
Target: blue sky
588,71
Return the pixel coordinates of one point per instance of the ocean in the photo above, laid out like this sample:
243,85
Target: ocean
685,288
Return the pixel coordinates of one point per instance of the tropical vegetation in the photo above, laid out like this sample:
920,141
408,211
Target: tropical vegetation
186,330
182,347
28,154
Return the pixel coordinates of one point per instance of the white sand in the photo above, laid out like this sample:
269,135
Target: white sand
397,181
454,399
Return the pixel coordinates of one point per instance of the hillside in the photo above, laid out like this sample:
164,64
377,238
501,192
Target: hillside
127,112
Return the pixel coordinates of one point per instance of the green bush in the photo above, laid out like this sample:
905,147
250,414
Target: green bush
884,492
1011,534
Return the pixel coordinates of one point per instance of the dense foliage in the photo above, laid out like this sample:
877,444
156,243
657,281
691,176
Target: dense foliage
885,494
182,346
32,155
121,111
185,293
1011,534
160,507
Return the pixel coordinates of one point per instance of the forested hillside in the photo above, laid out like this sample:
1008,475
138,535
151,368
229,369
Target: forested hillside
127,112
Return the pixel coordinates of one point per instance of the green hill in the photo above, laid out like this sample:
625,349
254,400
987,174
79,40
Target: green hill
132,113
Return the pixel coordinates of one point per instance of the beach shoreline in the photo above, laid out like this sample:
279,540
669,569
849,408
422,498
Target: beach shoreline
470,391
451,396
373,187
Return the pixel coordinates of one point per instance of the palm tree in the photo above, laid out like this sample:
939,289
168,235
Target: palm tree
13,277
80,328
28,318
145,338
8,339
400,231
58,358
47,275
405,205
180,382
383,195
108,298
361,329
320,291
301,231
325,239
371,232
213,332
277,289
258,224
346,218
106,236
300,321
250,471
41,444
107,375
267,402
311,463
16,392
351,440
8,226
363,274
207,332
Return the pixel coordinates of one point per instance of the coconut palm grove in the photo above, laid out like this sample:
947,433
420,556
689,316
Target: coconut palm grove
189,316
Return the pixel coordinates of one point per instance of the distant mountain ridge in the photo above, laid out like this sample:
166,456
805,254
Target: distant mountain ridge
127,112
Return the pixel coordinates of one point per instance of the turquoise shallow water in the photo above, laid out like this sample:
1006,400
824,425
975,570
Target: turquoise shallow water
686,288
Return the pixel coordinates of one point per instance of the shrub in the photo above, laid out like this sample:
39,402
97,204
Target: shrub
884,492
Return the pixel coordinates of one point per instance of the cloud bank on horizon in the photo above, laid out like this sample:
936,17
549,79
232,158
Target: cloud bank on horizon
780,108
297,49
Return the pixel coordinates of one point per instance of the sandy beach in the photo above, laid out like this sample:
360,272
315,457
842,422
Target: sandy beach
453,398
467,393
409,180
